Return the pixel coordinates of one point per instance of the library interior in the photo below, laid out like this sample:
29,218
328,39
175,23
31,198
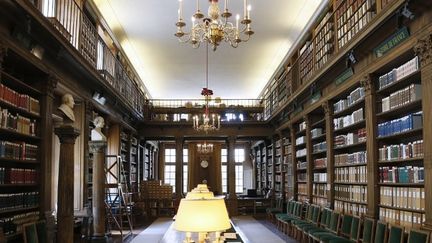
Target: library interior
215,121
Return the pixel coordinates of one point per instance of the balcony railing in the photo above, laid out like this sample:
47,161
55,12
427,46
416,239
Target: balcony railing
197,103
69,19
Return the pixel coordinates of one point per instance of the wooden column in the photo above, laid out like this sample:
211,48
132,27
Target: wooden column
329,127
423,50
46,128
309,160
371,148
97,148
179,167
65,219
232,196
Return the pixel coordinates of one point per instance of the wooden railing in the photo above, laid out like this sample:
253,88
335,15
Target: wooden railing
69,19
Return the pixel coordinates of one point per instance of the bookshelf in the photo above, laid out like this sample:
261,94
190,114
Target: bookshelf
319,157
306,61
20,145
349,147
400,144
279,169
303,168
324,40
289,166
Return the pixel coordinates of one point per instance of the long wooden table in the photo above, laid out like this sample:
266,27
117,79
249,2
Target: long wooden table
174,236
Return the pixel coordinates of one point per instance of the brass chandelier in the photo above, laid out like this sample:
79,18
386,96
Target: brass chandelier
206,122
205,148
215,27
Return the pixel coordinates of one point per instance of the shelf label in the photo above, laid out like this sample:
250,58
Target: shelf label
344,76
391,42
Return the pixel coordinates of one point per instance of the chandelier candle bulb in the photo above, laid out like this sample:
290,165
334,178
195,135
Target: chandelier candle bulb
180,12
248,11
237,23
226,5
245,7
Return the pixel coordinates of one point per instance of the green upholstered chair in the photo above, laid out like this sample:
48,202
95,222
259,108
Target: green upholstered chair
354,232
381,231
312,222
396,234
271,212
368,230
345,230
418,236
332,228
30,233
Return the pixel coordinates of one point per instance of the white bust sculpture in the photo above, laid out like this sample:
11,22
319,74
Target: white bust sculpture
67,106
96,133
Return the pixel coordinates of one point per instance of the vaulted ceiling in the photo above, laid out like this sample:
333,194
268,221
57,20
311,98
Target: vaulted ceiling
173,70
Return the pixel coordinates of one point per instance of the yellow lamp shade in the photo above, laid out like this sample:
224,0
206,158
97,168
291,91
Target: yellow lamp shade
199,195
202,215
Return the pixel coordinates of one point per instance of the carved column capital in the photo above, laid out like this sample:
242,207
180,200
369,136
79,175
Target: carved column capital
326,107
423,49
52,82
97,146
366,82
67,134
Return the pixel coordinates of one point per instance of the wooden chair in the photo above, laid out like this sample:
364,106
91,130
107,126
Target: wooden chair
354,232
418,236
381,232
396,234
30,233
42,231
368,230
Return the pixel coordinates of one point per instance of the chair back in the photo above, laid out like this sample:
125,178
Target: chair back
334,222
346,224
325,216
316,214
355,229
42,231
368,230
418,236
396,234
380,232
30,233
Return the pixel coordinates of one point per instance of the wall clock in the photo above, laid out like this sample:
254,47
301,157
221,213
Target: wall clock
204,164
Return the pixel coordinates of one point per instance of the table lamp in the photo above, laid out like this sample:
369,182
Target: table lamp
202,216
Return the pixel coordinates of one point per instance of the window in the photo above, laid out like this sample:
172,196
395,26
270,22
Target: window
170,157
185,169
224,170
239,157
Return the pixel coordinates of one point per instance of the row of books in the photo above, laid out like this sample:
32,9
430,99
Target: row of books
351,158
13,225
316,132
318,147
301,152
350,208
22,101
301,177
278,168
287,159
319,201
303,198
403,174
402,218
351,17
301,164
403,197
322,39
320,177
155,190
403,124
301,140
18,176
399,73
302,188
287,149
348,120
319,190
355,96
350,138
320,163
17,123
20,150
278,178
306,61
357,174
353,193
18,200
402,97
401,151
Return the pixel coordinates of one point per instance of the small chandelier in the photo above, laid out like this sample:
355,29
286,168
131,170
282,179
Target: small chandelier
205,122
205,148
213,29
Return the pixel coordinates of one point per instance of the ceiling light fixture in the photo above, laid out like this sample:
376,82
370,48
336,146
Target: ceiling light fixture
203,122
216,27
205,148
